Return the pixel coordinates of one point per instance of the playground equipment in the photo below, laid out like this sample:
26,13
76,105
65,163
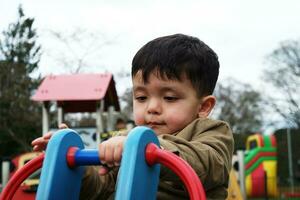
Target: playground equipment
234,191
80,93
138,174
261,166
28,188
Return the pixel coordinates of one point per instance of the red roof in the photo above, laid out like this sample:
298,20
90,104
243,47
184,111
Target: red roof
73,87
79,92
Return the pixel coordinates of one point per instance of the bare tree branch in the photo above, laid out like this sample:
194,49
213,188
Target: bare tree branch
78,48
284,75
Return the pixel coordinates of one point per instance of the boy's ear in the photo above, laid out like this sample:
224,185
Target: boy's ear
208,103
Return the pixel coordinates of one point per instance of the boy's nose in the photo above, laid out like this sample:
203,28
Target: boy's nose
154,107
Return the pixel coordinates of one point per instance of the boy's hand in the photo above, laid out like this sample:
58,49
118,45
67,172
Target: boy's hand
40,144
110,153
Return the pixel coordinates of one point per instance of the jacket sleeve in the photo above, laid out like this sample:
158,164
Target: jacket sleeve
207,145
94,186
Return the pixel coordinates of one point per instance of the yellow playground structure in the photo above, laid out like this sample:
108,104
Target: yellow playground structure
261,166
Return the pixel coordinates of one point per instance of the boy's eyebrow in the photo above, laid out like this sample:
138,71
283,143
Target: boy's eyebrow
162,89
139,88
166,89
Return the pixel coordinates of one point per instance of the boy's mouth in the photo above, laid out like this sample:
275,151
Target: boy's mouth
155,124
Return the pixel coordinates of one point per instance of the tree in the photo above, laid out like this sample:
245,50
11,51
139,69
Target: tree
239,105
127,100
19,57
76,49
284,75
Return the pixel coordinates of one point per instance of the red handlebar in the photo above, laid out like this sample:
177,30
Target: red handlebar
153,155
13,184
186,173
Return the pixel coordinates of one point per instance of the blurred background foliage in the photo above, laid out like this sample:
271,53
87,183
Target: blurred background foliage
19,56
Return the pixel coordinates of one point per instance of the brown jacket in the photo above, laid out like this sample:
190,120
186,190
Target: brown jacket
207,145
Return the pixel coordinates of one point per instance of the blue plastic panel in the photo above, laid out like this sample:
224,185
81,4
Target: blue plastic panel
57,180
137,180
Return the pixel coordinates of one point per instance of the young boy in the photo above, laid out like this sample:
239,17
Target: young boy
173,81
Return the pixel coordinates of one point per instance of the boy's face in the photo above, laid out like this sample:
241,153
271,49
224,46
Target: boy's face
166,106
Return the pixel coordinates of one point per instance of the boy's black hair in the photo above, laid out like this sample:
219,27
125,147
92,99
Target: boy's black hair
176,55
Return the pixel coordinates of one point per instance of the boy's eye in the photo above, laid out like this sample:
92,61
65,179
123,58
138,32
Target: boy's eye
141,98
170,98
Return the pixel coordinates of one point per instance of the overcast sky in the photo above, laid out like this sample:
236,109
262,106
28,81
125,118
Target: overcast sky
241,32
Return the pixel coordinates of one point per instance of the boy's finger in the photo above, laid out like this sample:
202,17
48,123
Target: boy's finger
35,148
37,141
103,170
101,153
47,135
62,126
109,155
39,147
117,156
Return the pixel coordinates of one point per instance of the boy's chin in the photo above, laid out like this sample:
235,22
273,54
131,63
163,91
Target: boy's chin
157,131
161,132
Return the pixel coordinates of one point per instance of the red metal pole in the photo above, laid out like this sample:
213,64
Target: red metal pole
189,177
20,176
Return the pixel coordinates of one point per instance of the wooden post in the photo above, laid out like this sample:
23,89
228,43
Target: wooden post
111,118
5,172
99,120
45,117
60,115
240,154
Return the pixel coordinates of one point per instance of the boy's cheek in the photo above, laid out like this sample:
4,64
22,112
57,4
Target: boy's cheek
138,115
138,119
177,122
